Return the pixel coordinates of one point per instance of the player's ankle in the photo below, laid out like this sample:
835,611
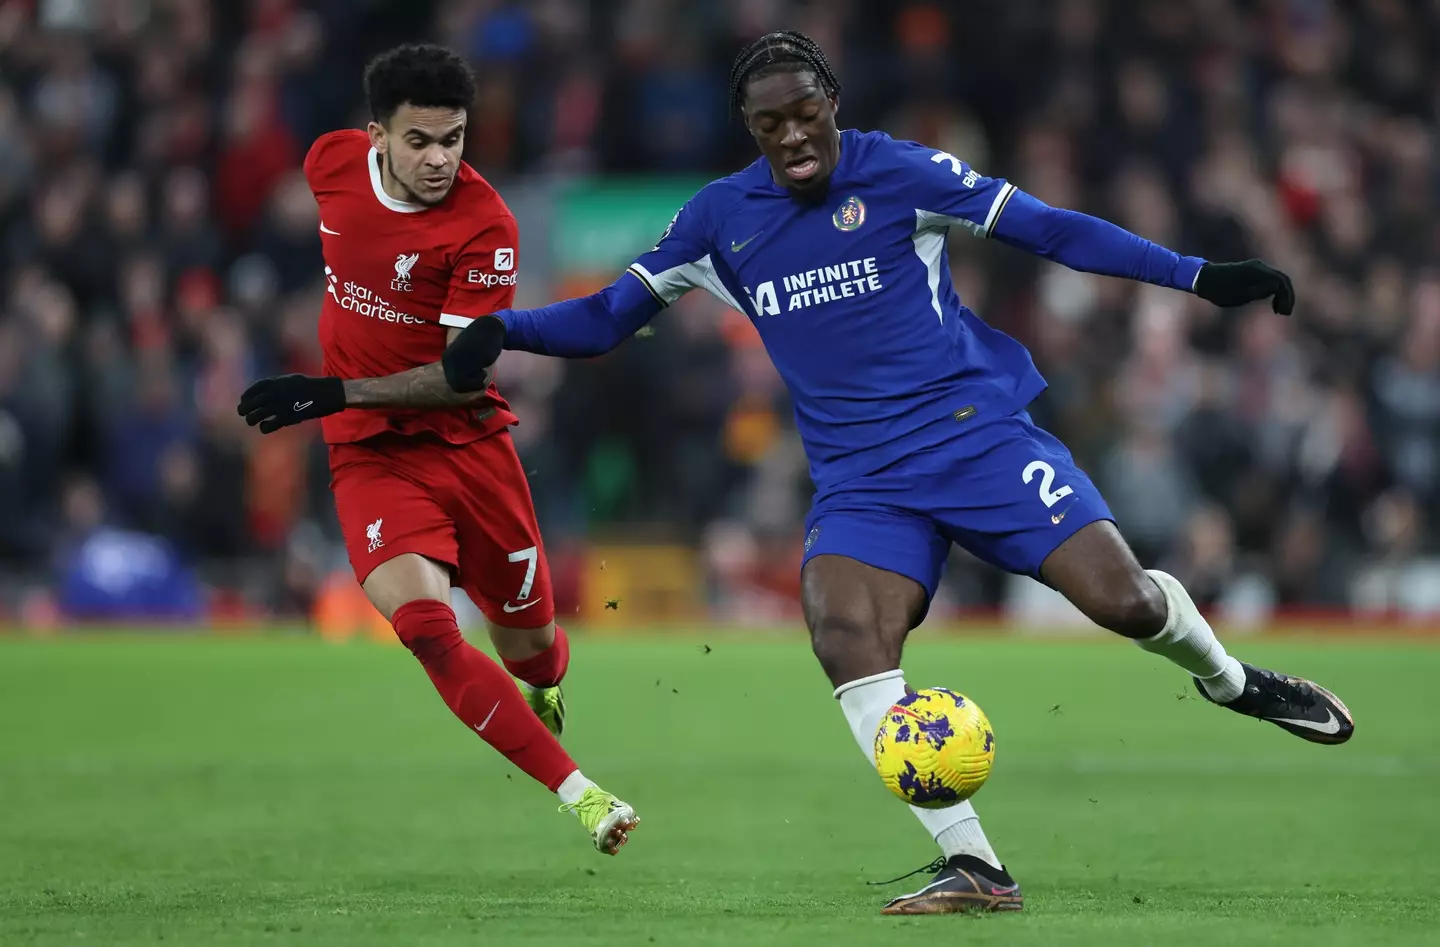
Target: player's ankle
573,787
966,837
1228,684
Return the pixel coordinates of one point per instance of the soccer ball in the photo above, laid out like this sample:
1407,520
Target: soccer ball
934,748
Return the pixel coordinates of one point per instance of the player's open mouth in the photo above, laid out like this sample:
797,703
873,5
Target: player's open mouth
435,182
802,169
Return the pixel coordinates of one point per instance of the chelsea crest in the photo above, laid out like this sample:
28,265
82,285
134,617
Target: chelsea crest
850,214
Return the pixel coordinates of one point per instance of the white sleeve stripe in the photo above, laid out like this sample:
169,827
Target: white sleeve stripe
643,273
669,285
454,321
675,282
646,280
1001,200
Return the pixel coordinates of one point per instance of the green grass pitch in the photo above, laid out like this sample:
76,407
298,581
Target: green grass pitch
288,791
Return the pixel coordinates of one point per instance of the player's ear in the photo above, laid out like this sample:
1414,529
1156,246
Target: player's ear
376,132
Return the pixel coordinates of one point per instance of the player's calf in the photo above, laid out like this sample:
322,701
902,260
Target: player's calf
858,616
849,650
538,656
1134,609
478,692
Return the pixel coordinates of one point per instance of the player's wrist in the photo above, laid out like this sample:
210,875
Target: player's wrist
1188,272
329,394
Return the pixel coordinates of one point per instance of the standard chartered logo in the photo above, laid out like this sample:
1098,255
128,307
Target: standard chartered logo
825,284
365,302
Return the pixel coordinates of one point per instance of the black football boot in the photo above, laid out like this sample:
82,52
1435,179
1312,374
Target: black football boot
1293,704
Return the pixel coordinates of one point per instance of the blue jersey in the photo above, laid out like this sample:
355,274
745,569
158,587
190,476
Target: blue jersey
852,295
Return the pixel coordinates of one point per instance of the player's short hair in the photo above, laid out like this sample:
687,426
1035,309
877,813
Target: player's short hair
781,51
421,74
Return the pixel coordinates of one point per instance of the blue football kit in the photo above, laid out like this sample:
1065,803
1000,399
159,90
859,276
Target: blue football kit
910,407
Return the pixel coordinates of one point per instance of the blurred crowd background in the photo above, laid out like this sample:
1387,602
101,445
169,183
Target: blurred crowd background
160,251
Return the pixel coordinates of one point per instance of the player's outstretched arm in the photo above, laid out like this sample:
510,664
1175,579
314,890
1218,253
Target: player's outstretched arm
576,328
1087,243
423,387
273,403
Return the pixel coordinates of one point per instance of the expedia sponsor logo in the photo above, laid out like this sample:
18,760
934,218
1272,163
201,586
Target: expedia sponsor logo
489,280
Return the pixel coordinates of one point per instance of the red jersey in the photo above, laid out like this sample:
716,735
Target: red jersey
398,277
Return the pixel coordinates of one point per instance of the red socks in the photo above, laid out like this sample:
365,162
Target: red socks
480,693
547,668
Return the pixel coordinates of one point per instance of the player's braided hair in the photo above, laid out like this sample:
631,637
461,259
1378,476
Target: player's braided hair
421,74
783,50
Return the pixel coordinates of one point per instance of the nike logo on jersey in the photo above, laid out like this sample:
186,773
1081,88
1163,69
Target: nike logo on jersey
302,407
512,609
737,247
1330,726
325,229
480,728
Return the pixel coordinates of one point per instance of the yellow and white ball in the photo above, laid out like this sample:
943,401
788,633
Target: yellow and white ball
934,748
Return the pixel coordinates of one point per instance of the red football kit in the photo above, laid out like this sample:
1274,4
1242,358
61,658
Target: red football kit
444,483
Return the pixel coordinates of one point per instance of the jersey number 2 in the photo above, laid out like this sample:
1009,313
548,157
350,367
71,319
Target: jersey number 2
1047,480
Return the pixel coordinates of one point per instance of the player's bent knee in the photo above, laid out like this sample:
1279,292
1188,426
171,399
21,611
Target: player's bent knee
427,627
1136,610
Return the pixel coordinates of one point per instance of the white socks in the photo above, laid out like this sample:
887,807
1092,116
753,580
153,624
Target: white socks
956,828
1188,641
573,788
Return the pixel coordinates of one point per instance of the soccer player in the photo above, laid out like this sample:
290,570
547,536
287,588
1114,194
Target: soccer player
429,489
911,409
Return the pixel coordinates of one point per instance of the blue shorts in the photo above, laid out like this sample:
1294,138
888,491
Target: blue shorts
1006,491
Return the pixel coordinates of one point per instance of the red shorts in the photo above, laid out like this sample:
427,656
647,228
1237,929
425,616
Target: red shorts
466,505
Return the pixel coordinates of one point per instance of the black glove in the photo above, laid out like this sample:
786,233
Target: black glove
284,400
1235,284
467,360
